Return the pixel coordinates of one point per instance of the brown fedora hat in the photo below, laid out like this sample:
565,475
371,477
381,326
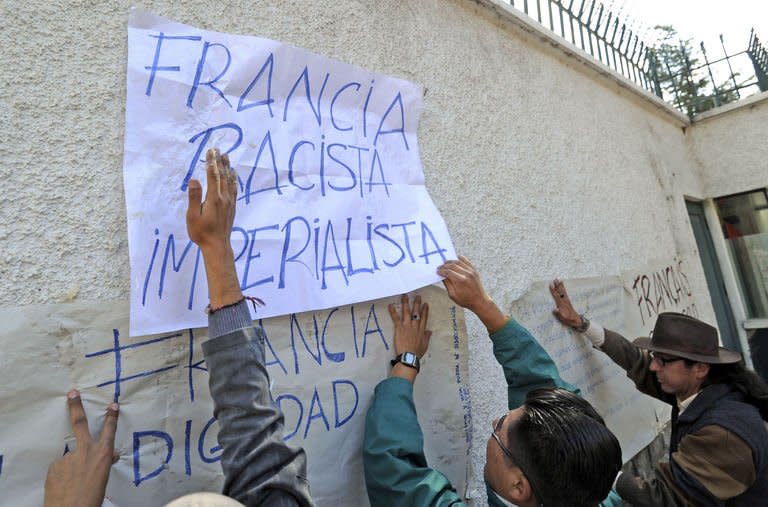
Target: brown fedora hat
683,336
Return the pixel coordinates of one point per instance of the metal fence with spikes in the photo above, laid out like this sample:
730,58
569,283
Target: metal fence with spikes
588,24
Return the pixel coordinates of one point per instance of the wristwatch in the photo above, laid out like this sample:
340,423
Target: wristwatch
408,359
584,324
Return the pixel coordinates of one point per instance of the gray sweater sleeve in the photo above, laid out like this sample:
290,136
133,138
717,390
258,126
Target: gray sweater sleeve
260,469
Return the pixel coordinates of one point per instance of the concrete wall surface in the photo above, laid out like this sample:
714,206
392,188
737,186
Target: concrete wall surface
541,167
729,146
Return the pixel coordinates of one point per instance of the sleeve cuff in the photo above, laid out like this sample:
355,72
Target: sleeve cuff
229,319
595,333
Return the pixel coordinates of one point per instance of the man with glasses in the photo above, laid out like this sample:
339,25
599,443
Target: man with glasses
551,448
718,452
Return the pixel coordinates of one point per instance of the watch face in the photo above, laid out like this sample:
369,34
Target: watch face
409,358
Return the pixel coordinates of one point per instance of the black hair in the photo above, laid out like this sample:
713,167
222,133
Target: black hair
754,388
571,458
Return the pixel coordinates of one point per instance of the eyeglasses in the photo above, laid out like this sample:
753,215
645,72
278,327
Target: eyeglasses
664,360
496,437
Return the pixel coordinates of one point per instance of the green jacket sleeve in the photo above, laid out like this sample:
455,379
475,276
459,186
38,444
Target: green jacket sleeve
526,364
396,470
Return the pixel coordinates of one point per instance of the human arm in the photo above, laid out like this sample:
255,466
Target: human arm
525,363
396,470
79,478
710,466
635,361
259,467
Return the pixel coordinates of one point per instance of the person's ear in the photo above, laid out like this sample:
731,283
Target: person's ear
518,488
701,370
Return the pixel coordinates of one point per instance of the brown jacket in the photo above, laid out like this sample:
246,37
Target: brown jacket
710,463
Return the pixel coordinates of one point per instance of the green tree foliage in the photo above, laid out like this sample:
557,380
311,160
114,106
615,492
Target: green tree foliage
681,77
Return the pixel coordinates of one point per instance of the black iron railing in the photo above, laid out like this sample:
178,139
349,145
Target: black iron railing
667,70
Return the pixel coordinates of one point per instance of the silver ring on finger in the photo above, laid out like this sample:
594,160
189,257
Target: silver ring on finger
415,316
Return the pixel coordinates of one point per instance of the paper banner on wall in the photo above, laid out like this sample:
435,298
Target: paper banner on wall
629,305
323,366
332,207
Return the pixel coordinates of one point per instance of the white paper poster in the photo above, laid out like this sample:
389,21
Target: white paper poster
332,206
629,305
323,365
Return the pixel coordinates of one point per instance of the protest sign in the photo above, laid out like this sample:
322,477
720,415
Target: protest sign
332,206
628,304
323,366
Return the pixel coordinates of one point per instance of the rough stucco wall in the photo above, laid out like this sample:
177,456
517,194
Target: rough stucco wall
731,149
541,168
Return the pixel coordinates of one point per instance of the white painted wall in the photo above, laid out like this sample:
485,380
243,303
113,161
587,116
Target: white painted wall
730,147
541,166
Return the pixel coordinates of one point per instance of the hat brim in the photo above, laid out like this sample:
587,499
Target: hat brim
724,356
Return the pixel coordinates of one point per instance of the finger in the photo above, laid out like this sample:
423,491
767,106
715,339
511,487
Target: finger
406,307
453,275
77,419
465,261
110,425
231,178
214,178
393,313
424,317
195,192
553,290
416,308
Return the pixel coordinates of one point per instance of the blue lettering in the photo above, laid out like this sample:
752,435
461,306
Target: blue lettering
392,241
244,285
201,441
155,67
277,360
284,259
290,164
209,84
305,78
345,166
170,247
383,181
325,267
241,106
279,403
204,137
296,328
377,329
157,435
149,270
336,357
319,415
399,101
350,269
266,142
335,384
425,231
333,103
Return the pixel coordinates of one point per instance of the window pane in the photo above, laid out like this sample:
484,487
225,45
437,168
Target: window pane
744,221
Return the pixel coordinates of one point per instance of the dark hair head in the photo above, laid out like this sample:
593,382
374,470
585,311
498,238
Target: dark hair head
565,450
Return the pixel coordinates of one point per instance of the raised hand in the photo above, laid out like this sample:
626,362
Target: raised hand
564,310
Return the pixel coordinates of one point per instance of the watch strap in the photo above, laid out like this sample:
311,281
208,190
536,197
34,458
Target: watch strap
403,359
